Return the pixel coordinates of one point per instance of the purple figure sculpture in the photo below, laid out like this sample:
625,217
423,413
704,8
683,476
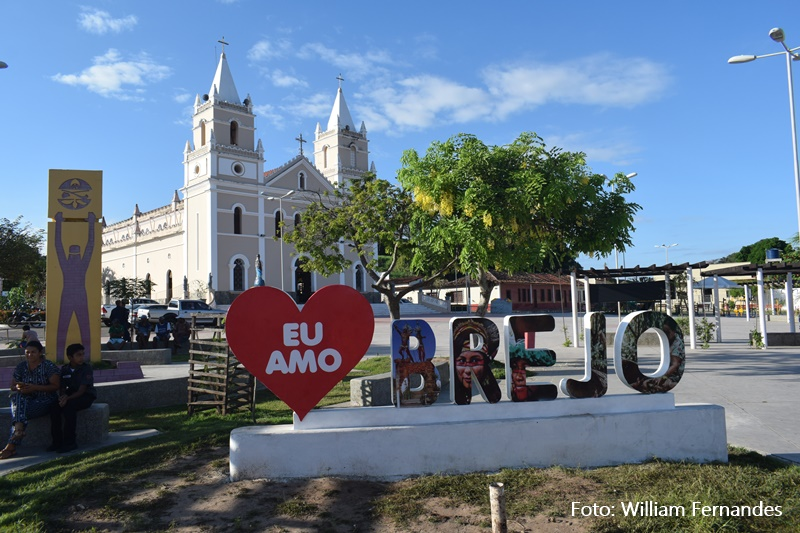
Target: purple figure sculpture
73,296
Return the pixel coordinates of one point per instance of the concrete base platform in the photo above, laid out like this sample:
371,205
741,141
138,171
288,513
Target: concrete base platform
394,443
92,427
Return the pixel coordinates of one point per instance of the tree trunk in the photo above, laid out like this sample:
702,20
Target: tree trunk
486,287
392,299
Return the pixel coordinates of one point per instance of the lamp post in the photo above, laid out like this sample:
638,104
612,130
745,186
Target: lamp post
616,261
777,35
666,248
280,208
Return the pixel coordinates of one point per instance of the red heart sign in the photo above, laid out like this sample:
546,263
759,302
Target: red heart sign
300,355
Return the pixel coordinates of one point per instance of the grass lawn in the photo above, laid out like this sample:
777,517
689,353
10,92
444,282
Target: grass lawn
32,500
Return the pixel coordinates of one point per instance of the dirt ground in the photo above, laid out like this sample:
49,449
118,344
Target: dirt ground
194,494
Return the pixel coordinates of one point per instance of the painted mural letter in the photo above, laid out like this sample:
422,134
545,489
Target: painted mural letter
673,352
475,342
522,353
594,383
410,365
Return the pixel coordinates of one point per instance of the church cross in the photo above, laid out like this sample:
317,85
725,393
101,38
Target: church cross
341,79
223,43
302,142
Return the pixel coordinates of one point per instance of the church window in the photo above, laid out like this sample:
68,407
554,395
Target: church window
237,221
202,133
278,220
296,220
238,275
325,157
352,156
234,133
301,181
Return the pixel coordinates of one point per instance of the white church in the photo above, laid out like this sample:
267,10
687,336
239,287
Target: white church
229,210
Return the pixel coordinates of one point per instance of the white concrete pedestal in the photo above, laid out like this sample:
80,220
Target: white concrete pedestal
391,443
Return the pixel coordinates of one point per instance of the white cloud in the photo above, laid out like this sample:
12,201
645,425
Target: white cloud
97,21
113,77
601,80
423,101
270,114
281,79
264,50
355,65
608,147
182,97
316,106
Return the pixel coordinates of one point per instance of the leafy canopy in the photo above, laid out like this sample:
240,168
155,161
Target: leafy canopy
19,250
513,208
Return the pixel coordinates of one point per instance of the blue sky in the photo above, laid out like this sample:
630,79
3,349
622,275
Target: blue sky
639,86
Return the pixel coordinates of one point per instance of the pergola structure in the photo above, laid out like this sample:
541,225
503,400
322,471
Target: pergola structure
616,273
758,272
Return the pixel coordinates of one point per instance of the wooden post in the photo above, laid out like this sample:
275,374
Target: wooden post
497,501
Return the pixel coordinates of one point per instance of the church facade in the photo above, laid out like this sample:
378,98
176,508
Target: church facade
229,211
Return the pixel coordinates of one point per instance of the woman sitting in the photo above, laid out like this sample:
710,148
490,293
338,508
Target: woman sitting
33,393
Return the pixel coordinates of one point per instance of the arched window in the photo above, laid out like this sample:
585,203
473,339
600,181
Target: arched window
238,275
169,285
237,221
148,285
202,133
296,220
359,278
353,156
301,181
325,157
278,220
234,133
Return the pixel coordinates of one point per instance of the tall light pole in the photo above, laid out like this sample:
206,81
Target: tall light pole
777,35
616,261
666,248
281,227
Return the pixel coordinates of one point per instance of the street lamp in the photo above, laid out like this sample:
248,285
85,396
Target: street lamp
777,35
616,260
666,248
280,208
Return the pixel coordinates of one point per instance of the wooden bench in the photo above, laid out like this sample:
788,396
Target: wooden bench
92,427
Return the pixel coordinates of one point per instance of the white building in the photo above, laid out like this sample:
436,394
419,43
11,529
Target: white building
228,209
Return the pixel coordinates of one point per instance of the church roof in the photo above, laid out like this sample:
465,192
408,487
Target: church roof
223,81
340,115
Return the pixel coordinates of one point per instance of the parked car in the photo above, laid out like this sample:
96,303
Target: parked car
105,309
185,308
152,311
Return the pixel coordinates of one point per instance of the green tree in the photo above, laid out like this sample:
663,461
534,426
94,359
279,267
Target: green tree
757,252
350,222
513,208
127,288
21,264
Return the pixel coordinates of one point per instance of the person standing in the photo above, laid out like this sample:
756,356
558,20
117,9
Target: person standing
76,392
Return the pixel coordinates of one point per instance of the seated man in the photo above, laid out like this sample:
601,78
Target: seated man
116,335
180,335
76,392
162,330
143,332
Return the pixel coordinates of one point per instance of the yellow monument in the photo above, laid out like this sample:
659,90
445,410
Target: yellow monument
75,202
